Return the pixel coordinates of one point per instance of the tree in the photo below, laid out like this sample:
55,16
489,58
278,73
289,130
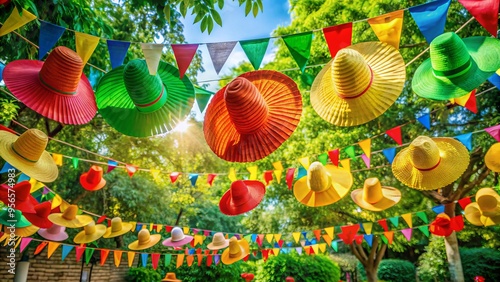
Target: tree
370,260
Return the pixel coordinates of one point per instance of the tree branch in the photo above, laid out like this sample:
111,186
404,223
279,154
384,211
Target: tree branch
380,254
434,195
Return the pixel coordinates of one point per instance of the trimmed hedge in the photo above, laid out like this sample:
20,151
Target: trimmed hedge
396,270
480,261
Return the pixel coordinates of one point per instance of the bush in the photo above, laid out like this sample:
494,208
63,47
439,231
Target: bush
142,274
396,270
302,268
433,265
481,261
219,272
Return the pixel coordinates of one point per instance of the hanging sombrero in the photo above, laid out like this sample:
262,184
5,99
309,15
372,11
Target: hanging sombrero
359,84
375,197
252,116
139,104
486,210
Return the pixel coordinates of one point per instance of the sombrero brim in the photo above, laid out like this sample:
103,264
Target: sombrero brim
78,221
169,243
391,196
341,183
212,247
476,217
44,170
389,76
35,219
454,161
119,111
53,237
126,227
21,78
284,102
485,53
256,191
24,231
82,238
91,186
153,239
492,158
245,250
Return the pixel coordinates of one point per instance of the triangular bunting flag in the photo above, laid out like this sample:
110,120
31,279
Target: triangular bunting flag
117,257
269,238
155,258
168,259
485,12
494,79
202,97
193,177
334,156
65,250
15,21
431,18
152,54
394,220
335,246
407,233
323,158
408,219
289,177
388,27
111,165
210,178
383,223
40,247
52,247
350,151
190,260
390,236
366,160
494,131
216,259
471,103
359,239
268,176
296,236
130,258
131,169
348,233
219,52
25,241
85,45
424,229
6,167
144,259
232,174
58,159
330,231
75,162
277,238
327,239
104,256
278,171
438,209
117,52
317,234
369,239
366,146
299,250
338,37
174,176
88,254
464,202
155,173
314,249
79,252
346,164
184,54
367,227
395,134
304,162
299,46
425,120
49,35
255,50
302,172
389,154
253,172
465,139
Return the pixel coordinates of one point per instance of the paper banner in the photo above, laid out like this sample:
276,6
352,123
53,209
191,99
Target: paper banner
25,241
180,260
232,174
438,209
350,151
388,27
338,37
457,223
394,220
255,50
389,235
301,173
85,45
494,79
117,257
348,233
367,227
117,52
323,158
278,166
131,169
6,167
209,260
190,260
130,258
152,53
366,160
395,134
327,239
366,146
346,164
202,97
407,233
408,219
465,139
58,159
494,131
79,252
174,176
88,254
52,247
334,156
389,154
304,162
210,178
268,176
296,236
219,52
168,259
193,177
278,171
424,229
75,161
155,258
467,101
335,246
314,249
289,177
49,35
15,21
317,234
104,256
383,223
299,46
464,202
253,172
111,165
330,231
431,18
144,259
269,238
184,54
65,250
425,120
485,12
216,259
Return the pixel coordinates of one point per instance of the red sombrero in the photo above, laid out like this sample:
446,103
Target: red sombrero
56,89
23,199
40,218
252,116
242,196
93,180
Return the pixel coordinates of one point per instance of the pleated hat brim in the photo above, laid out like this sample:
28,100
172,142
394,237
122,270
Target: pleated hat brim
23,231
153,240
78,221
284,102
256,192
485,53
454,161
245,250
21,78
169,243
391,196
389,76
126,227
82,238
61,236
119,111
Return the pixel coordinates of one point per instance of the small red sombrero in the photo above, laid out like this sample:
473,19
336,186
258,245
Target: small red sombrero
56,89
93,180
242,196
252,116
23,199
40,218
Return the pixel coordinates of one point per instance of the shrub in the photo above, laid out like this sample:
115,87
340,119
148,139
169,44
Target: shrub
143,274
433,265
481,261
396,270
219,272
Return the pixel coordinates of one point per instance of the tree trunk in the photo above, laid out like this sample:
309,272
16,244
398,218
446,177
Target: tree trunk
452,253
371,274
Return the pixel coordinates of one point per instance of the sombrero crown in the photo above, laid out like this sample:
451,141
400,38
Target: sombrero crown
486,210
492,157
375,197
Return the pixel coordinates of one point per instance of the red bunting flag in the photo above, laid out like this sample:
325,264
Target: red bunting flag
246,258
131,169
348,233
289,177
174,176
265,254
79,252
471,103
383,223
317,234
268,176
210,178
209,260
464,202
334,156
184,54
101,219
338,37
395,133
485,12
40,247
104,256
359,239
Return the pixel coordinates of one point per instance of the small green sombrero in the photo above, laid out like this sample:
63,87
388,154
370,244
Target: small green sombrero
456,66
139,104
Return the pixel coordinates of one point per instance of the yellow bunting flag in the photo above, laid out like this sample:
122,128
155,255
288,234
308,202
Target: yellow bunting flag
155,173
278,171
322,247
327,239
56,201
366,146
151,226
85,45
15,21
35,185
296,236
269,237
117,256
130,257
133,223
152,54
408,219
330,232
253,172
198,239
388,27
277,237
278,166
461,100
180,260
346,164
276,251
315,248
185,229
52,247
159,227
304,162
367,226
58,159
232,174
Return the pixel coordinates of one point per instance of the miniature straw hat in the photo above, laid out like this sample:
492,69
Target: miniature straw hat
90,233
40,217
243,196
69,218
170,277
456,66
374,196
93,180
359,84
252,116
23,199
56,89
27,154
117,228
54,233
324,185
144,240
178,238
237,250
486,210
139,104
218,242
430,163
492,158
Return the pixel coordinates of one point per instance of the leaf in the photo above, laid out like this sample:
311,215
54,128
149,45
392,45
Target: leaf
203,24
248,7
255,9
166,11
217,17
210,23
198,18
221,4
261,6
183,9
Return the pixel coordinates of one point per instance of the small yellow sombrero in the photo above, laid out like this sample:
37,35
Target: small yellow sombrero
375,197
492,157
486,210
237,250
69,218
117,228
144,240
324,185
90,233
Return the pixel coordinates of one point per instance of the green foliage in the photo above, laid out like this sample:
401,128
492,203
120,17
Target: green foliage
481,262
142,274
302,268
432,265
396,270
8,110
220,272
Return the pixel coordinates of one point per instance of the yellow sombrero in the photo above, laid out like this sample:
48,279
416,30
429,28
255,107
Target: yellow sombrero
144,240
492,157
69,218
237,250
324,185
117,228
90,233
486,210
375,197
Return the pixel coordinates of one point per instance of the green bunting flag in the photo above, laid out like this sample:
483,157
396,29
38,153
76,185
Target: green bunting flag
423,216
323,158
424,229
255,50
335,246
394,221
75,162
202,97
168,259
350,152
88,254
299,46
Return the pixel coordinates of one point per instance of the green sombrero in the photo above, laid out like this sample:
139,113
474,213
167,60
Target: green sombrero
456,66
139,104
